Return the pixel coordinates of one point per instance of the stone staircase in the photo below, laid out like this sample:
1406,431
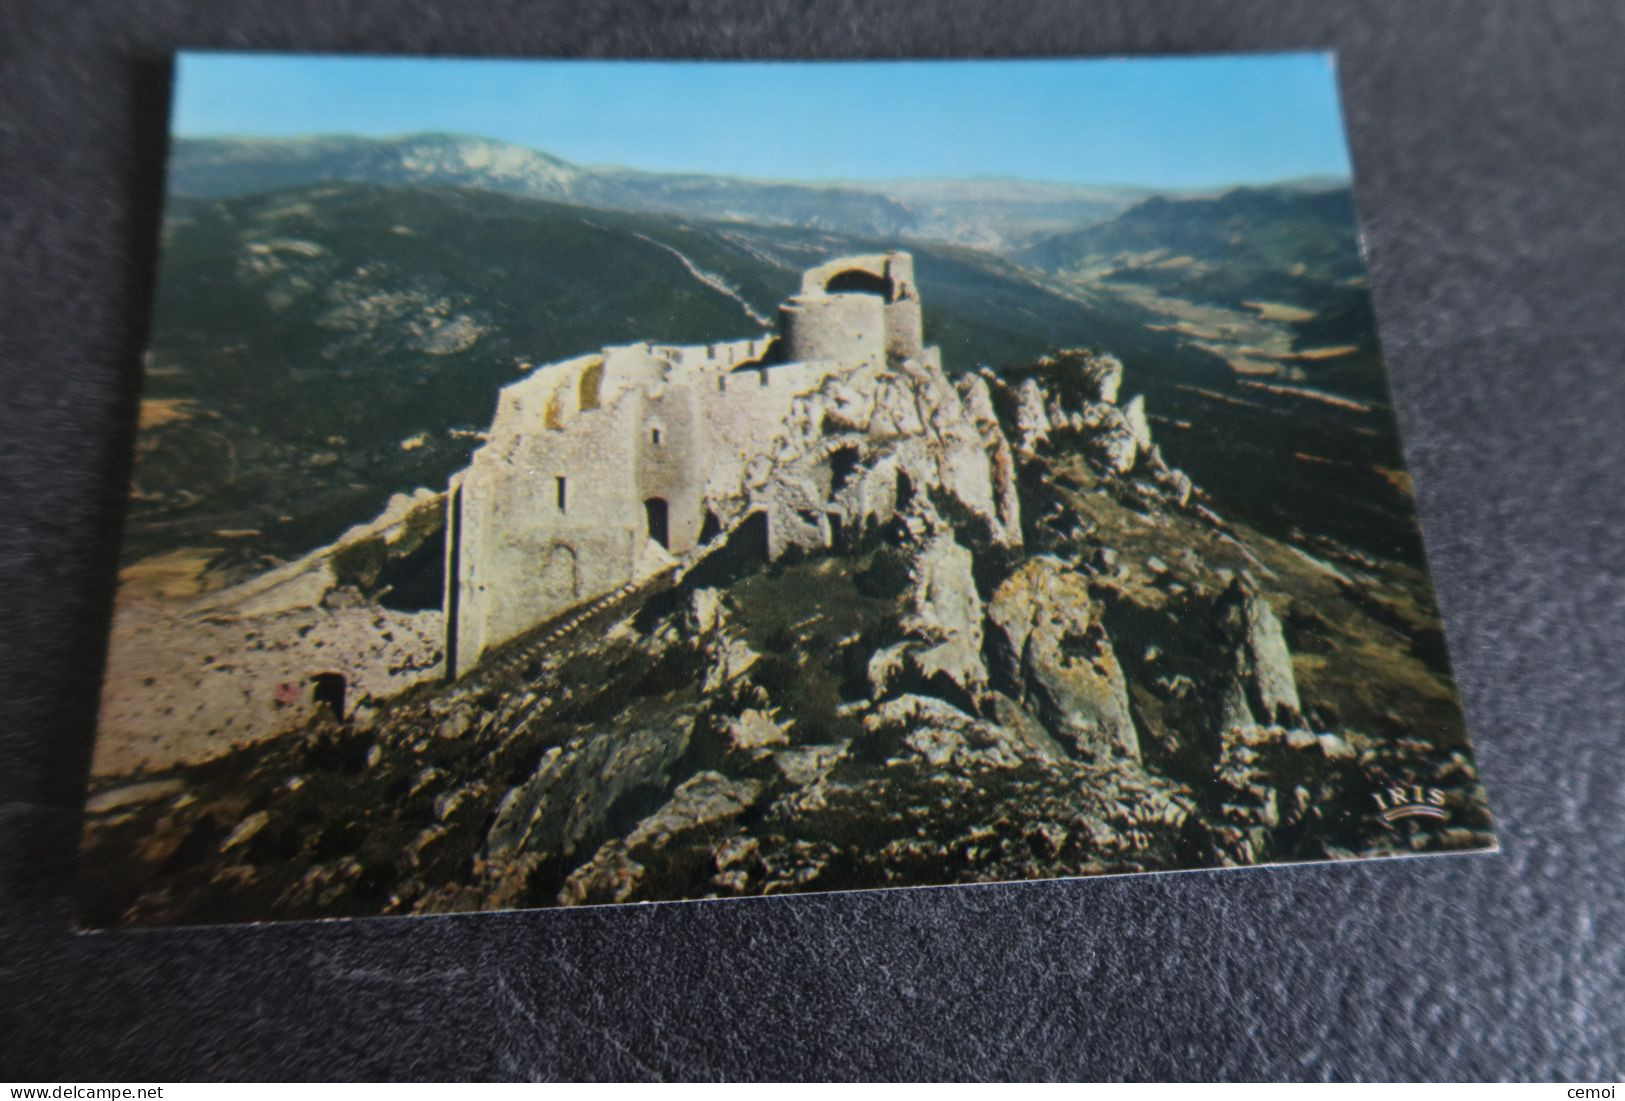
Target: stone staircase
573,620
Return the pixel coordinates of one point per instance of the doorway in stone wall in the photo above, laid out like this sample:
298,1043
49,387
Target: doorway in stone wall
654,514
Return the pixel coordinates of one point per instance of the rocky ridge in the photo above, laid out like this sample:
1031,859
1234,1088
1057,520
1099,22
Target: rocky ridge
1005,639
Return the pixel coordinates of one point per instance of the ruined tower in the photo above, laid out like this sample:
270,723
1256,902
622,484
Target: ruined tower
597,471
853,308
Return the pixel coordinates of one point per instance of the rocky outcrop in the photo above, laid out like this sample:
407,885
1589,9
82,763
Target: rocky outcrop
973,390
1264,679
943,735
959,661
1100,376
1048,650
684,835
855,451
1270,780
564,807
1076,404
1108,435
1031,418
942,618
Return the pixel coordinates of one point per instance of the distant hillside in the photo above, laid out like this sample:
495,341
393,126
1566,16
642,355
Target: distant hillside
993,213
1286,255
1257,243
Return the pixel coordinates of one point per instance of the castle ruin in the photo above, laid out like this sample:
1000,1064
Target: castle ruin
610,468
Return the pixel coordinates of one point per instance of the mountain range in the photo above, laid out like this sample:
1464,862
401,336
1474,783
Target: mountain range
997,213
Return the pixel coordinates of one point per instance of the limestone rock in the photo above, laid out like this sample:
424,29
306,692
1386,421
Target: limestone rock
321,886
806,764
728,659
846,407
1268,777
1102,377
688,821
1263,664
564,806
885,667
955,661
943,735
1032,421
1139,427
942,601
1175,483
1048,650
455,807
754,730
1001,462
1010,715
246,830
896,413
1109,437
705,611
943,620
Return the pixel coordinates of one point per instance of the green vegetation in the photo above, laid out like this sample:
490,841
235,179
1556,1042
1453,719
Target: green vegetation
1250,244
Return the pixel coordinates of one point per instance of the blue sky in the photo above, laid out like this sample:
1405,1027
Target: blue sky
1179,122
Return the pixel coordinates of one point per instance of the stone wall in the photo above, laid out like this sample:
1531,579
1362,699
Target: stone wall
511,511
890,277
838,327
672,449
590,459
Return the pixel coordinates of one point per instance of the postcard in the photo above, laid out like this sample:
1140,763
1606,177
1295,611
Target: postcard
565,483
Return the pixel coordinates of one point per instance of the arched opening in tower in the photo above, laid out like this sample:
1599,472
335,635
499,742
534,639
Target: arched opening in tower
560,575
654,514
855,281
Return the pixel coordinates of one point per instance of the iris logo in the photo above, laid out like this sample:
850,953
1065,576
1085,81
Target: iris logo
1409,801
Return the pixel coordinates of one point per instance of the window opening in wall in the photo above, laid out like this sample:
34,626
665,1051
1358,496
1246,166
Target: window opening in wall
591,382
329,689
654,513
905,491
654,436
558,487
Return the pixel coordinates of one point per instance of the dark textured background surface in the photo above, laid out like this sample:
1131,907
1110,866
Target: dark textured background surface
1489,143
